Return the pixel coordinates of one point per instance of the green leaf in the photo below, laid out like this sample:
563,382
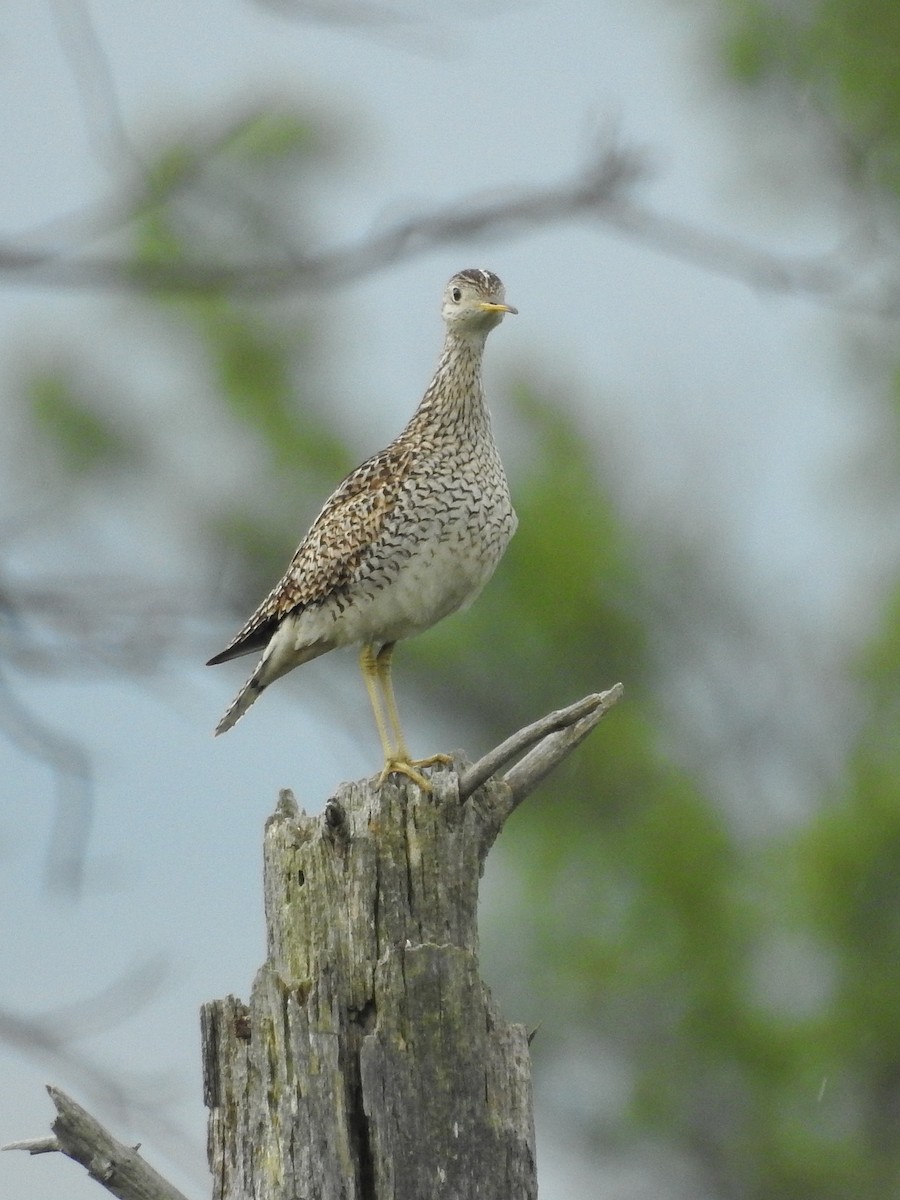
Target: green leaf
84,440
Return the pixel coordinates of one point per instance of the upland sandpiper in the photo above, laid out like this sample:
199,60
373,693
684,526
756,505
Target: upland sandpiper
410,536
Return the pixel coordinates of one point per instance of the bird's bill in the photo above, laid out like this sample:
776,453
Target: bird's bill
486,306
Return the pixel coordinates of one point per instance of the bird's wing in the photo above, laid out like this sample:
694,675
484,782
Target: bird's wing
329,558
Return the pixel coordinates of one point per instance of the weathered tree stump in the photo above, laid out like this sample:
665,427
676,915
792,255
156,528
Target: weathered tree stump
371,1062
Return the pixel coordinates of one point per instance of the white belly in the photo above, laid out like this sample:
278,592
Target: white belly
438,579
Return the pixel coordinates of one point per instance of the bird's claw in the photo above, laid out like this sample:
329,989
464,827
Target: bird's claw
407,767
445,760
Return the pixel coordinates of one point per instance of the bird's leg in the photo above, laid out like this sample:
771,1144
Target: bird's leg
368,664
396,756
383,667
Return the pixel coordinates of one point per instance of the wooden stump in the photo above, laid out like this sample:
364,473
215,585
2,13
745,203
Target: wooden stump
371,1062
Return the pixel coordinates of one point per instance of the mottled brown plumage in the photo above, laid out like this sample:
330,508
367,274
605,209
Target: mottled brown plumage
410,536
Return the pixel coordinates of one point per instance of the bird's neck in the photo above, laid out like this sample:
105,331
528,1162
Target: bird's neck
455,395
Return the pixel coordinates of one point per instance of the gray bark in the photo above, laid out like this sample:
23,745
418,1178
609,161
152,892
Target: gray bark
119,1168
371,1062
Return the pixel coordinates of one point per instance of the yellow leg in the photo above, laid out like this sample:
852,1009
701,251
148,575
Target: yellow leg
383,667
396,755
368,664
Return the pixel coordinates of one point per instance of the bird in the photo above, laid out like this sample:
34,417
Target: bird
410,536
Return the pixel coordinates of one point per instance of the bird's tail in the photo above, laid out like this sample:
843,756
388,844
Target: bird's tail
251,690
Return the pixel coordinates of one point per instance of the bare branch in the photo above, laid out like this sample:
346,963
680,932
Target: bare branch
45,1145
479,773
604,179
119,1168
72,772
93,78
409,29
833,277
854,277
523,778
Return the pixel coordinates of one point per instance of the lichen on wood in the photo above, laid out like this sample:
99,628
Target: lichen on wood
371,1061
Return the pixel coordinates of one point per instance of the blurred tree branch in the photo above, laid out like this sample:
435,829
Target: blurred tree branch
119,1168
409,28
853,275
71,768
89,625
92,75
611,172
859,274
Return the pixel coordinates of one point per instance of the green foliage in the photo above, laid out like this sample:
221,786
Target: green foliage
217,198
261,354
229,195
679,924
843,54
272,138
86,440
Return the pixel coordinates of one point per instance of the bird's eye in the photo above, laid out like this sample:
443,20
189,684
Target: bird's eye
456,295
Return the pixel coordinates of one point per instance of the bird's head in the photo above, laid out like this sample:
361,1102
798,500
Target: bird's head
474,303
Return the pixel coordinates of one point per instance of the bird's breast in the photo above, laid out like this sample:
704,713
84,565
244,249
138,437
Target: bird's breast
420,571
425,581
437,546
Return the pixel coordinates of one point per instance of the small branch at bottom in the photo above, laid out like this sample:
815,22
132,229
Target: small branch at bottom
45,1145
119,1168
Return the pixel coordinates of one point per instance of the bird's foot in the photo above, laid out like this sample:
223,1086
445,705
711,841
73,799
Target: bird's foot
445,760
402,766
407,767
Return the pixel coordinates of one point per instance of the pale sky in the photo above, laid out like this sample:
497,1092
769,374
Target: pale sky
695,380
